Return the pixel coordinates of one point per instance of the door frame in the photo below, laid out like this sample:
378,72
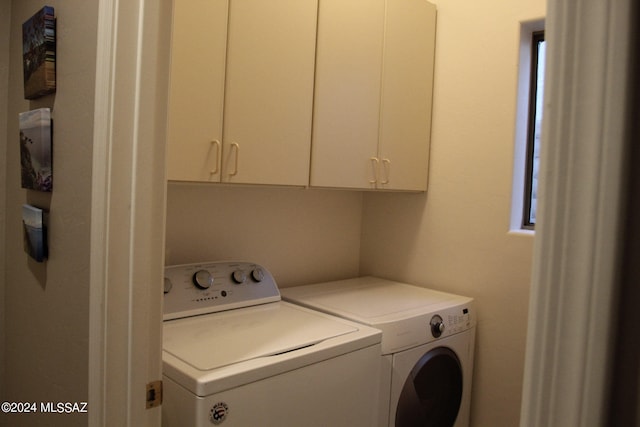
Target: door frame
128,210
579,233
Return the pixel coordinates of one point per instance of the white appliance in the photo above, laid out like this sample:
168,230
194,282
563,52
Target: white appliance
235,355
427,345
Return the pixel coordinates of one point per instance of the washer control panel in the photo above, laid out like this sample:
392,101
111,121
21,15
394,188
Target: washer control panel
192,289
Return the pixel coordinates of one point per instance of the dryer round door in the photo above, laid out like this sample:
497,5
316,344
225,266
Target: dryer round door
432,391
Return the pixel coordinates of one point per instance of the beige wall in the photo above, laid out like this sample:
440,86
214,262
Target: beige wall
302,236
46,305
455,237
5,14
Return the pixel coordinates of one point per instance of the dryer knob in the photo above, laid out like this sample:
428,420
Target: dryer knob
437,326
203,279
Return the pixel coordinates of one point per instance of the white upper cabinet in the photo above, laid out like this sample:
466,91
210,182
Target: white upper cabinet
374,78
242,94
242,91
347,92
198,52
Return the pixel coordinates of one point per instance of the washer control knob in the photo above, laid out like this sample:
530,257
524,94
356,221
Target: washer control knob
203,279
437,326
167,285
257,274
239,277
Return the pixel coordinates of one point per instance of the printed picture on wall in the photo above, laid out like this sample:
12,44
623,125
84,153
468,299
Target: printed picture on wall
35,149
35,232
39,54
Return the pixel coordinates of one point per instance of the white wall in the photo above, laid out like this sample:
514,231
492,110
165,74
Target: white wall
46,305
302,236
455,237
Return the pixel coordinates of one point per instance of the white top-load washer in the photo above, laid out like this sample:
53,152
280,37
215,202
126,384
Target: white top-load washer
234,354
427,345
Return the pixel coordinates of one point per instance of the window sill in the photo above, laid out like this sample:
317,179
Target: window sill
522,232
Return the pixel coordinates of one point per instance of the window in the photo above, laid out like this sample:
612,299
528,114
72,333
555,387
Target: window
528,126
536,93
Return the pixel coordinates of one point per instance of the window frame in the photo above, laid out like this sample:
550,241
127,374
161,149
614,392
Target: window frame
536,38
516,215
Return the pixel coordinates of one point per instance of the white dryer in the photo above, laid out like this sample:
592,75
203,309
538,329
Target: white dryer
235,355
427,345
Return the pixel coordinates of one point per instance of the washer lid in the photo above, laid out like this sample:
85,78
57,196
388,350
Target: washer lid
215,340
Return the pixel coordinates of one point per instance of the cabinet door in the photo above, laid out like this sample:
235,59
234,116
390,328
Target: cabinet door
407,84
347,93
269,91
196,95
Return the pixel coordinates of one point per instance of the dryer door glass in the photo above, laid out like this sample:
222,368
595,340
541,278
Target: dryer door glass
432,393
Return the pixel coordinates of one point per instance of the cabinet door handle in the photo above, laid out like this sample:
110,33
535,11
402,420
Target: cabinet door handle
235,147
215,144
374,165
386,169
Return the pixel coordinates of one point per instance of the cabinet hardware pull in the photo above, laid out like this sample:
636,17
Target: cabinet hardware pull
374,164
386,168
237,151
215,143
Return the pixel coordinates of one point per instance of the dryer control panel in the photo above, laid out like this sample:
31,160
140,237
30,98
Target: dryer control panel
457,319
192,289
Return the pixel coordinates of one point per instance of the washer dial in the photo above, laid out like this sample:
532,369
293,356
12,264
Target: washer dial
239,276
203,279
257,274
167,285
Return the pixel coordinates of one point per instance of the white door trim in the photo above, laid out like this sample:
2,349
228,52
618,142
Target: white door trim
578,232
128,210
